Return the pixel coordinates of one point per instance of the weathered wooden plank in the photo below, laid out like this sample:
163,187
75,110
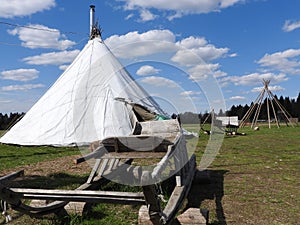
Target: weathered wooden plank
160,126
162,164
134,155
12,176
142,143
79,196
93,199
102,167
172,149
116,164
180,192
24,191
94,170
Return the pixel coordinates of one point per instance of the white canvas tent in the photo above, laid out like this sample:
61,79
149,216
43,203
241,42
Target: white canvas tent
82,106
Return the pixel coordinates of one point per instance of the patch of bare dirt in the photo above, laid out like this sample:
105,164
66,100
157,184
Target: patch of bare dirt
60,165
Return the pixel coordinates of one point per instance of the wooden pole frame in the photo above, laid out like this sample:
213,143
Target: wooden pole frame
271,100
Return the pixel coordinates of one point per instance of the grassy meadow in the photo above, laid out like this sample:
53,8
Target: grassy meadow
255,179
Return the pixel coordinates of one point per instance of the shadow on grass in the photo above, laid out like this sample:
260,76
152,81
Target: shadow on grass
209,185
52,181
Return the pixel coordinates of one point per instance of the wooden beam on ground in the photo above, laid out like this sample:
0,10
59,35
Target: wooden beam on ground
12,176
80,196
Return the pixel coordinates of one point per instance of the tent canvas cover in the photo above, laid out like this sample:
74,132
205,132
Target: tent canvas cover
83,105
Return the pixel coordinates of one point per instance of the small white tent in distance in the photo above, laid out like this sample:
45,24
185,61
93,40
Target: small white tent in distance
84,105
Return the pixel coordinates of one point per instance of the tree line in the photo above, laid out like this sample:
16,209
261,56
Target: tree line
7,120
291,105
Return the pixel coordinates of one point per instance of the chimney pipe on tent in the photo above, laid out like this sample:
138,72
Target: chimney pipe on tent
92,18
94,28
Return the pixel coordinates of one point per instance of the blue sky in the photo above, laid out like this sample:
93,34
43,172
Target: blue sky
188,54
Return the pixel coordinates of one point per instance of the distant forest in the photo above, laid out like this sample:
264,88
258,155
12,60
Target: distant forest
291,105
7,120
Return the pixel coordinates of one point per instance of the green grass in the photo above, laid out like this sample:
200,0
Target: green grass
255,179
12,156
260,178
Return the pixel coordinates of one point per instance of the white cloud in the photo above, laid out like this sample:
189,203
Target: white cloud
24,87
20,74
189,93
271,88
63,67
40,38
176,9
192,42
129,16
228,3
134,44
52,58
287,61
237,98
254,79
147,70
233,55
146,15
159,82
202,71
195,53
194,50
290,25
188,52
13,8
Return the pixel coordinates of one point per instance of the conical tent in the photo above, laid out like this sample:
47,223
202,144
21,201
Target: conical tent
84,103
271,102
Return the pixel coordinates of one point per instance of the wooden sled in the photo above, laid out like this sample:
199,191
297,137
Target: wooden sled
117,158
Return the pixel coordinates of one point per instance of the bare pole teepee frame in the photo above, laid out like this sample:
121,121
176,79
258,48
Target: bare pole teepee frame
270,100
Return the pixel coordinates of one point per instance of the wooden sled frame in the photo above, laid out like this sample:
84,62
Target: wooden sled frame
119,157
